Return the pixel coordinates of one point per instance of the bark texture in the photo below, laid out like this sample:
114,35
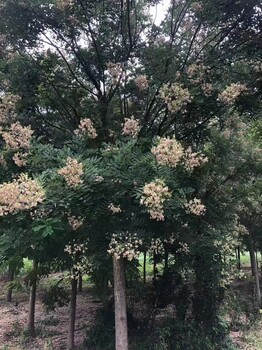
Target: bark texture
72,316
11,275
255,271
32,300
121,333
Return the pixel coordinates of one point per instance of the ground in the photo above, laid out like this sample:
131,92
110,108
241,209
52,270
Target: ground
51,327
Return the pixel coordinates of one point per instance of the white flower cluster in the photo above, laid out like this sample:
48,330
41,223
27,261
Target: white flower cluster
168,151
72,172
20,159
86,128
20,194
183,248
64,4
126,245
115,209
75,222
81,264
231,93
194,206
141,82
17,136
116,72
175,96
193,159
154,196
131,127
156,246
7,107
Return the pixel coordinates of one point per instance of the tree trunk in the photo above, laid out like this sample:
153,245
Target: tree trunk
254,269
154,267
32,300
11,274
238,258
144,269
121,334
166,260
80,284
72,316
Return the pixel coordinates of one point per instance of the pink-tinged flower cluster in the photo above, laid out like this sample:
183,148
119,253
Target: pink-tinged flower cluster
3,162
125,245
115,71
86,128
7,107
75,222
115,209
156,246
17,136
175,96
20,159
21,194
168,151
142,82
154,196
193,159
131,127
81,264
207,88
231,93
195,206
72,172
64,4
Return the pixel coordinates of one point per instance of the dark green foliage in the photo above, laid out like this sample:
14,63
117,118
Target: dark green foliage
55,295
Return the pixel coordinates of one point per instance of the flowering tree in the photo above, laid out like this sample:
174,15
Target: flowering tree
142,128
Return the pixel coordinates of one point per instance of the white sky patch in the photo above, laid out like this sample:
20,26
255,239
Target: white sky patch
158,11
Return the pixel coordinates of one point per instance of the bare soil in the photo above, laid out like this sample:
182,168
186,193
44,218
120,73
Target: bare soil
51,328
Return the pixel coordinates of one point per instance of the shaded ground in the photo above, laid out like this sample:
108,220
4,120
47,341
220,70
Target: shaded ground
51,328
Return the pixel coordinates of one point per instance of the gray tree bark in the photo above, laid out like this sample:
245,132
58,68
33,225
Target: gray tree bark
72,316
11,275
32,300
121,332
254,269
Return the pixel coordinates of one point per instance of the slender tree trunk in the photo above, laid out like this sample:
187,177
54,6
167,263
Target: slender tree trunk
144,269
72,316
154,266
121,333
11,275
166,260
80,284
32,300
255,270
238,258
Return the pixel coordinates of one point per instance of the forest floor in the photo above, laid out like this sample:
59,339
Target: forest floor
51,328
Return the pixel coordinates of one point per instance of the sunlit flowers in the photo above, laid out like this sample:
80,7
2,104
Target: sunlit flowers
231,93
20,194
175,96
17,136
72,172
168,151
131,127
154,196
115,209
20,159
193,159
75,222
195,206
86,128
141,82
125,245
